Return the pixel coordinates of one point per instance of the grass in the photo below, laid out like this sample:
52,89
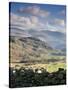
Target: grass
51,67
54,66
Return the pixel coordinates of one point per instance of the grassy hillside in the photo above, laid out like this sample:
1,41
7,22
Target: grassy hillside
25,49
29,51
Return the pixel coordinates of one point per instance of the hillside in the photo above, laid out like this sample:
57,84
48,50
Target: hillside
55,39
27,49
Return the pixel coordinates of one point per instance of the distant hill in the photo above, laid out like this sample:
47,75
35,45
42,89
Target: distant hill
55,39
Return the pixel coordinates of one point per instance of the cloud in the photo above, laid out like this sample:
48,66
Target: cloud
56,27
60,22
25,23
34,10
63,13
34,19
51,27
19,22
33,22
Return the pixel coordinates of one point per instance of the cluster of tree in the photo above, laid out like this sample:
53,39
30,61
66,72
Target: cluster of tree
29,78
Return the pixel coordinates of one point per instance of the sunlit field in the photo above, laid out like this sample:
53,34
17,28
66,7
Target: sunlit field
52,67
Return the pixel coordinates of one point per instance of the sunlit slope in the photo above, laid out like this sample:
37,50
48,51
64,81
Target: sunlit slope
27,49
30,49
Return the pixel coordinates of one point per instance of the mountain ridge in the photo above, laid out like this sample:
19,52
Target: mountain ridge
54,38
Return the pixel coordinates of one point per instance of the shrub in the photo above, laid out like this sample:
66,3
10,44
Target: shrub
28,78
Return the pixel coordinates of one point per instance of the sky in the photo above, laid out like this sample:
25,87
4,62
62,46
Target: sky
28,16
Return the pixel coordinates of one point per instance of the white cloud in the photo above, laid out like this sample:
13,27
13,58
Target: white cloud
34,10
25,23
33,22
34,19
63,12
60,22
19,22
51,27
